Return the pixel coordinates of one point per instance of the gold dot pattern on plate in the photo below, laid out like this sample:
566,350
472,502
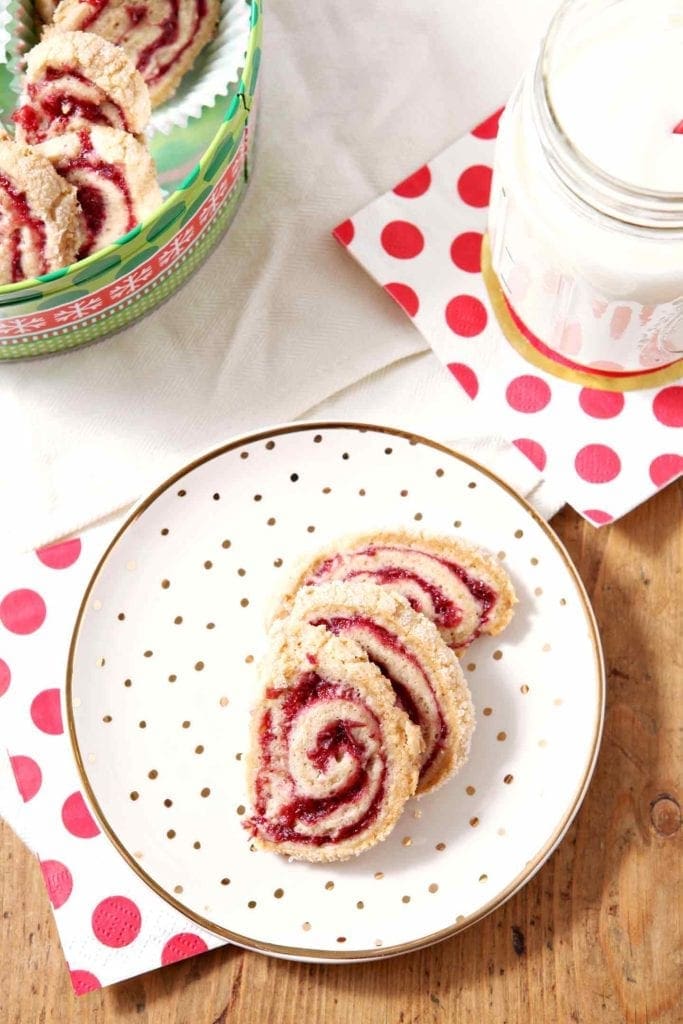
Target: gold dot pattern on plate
306,926
563,601
168,802
127,682
501,737
149,654
100,662
205,792
251,904
538,591
225,544
417,517
244,455
474,822
172,678
519,533
121,616
483,878
327,490
472,666
224,702
433,887
216,496
329,886
470,790
134,795
524,688
277,563
501,556
186,724
508,779
181,493
196,845
241,809
360,905
249,659
379,875
165,584
310,529
440,847
457,523
142,724
406,841
164,531
471,485
487,711
170,834
497,655
225,881
178,889
244,602
199,749
210,625
278,894
405,899
534,561
178,620
153,774
106,718
199,665
439,472
208,564
271,521
546,648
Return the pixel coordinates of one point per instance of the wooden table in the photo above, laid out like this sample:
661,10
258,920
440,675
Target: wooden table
595,936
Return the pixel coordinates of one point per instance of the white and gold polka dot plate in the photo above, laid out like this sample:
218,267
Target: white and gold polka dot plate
162,676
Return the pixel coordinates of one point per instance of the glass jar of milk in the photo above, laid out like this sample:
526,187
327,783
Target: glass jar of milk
586,216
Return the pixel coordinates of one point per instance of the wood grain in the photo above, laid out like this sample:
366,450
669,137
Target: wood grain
596,935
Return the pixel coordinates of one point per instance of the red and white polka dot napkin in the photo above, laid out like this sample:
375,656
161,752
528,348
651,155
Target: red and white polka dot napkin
111,925
605,451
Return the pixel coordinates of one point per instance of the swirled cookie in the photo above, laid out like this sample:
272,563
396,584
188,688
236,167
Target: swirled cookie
460,587
409,652
332,758
114,177
161,37
39,215
74,80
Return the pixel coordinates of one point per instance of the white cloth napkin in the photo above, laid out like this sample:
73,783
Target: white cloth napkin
353,94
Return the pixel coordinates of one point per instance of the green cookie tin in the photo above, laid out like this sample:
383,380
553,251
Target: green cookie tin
110,289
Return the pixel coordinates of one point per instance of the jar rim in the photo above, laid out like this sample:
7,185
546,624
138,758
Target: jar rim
612,196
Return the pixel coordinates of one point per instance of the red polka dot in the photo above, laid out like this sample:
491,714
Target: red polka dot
180,946
405,296
668,406
603,405
77,818
60,556
116,921
84,982
598,516
534,451
488,129
665,468
466,378
474,185
344,232
22,611
46,712
466,316
415,185
466,251
5,677
597,464
28,776
402,240
58,882
528,393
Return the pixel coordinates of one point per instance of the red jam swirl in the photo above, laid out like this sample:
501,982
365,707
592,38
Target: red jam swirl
446,613
336,739
169,30
93,202
51,111
357,625
21,220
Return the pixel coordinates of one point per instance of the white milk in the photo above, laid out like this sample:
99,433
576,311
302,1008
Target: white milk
586,218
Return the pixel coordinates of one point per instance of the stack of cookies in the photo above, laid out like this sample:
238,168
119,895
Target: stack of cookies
78,175
364,702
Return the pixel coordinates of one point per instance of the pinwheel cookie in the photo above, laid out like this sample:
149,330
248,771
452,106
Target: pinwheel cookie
114,177
74,80
333,758
161,37
460,587
408,650
39,215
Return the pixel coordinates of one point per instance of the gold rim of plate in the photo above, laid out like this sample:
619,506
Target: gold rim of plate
462,922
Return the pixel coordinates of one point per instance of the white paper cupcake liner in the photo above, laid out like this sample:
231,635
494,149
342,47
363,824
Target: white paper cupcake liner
216,68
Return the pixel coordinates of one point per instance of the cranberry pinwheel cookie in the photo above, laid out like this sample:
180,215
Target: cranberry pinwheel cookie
460,587
39,215
409,652
333,758
114,177
161,37
74,80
